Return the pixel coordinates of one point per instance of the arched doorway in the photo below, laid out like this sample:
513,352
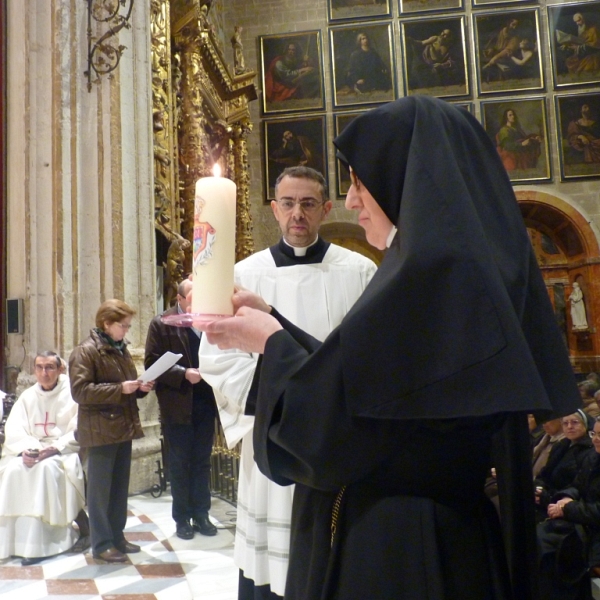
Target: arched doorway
567,251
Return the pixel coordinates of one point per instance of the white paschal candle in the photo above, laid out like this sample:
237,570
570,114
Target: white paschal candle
214,245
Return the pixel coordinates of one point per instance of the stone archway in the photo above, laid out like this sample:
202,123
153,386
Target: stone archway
567,251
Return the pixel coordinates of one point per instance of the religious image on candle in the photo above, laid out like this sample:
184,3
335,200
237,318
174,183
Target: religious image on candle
214,246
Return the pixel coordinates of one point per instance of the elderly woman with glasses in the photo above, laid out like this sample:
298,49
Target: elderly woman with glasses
570,538
104,383
388,426
565,460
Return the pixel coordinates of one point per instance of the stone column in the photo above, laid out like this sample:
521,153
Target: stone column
80,186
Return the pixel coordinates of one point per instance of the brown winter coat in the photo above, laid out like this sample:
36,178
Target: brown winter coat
106,415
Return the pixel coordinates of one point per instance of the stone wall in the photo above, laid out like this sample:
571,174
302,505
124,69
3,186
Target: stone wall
266,17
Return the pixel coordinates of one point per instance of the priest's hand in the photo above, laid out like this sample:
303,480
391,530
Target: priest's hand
48,452
248,331
30,459
243,297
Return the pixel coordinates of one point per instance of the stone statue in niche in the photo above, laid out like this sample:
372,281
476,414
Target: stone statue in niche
239,64
578,315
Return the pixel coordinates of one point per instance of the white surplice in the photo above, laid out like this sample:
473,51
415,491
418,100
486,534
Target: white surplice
314,297
38,504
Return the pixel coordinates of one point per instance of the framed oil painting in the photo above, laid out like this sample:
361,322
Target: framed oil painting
468,106
518,128
292,72
363,64
408,7
294,142
507,49
495,3
434,55
342,176
340,10
578,130
575,43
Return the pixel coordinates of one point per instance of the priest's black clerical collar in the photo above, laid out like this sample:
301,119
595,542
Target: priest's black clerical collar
284,255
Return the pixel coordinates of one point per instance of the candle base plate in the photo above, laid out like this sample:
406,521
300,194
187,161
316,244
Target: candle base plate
188,319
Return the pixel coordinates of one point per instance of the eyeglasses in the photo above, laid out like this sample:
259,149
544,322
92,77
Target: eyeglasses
124,326
593,434
308,206
573,423
46,368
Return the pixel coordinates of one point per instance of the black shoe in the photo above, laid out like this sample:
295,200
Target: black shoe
27,562
203,525
81,545
185,531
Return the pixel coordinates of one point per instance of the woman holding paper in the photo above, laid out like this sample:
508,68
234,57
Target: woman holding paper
104,383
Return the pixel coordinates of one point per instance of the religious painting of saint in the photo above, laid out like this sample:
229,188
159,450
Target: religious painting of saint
419,6
435,57
362,56
358,9
578,127
575,43
519,131
293,142
341,121
292,72
507,49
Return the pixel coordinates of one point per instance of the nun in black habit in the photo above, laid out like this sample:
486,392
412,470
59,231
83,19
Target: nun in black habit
390,425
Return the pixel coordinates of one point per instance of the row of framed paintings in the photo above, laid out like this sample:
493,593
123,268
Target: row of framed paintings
344,10
517,126
435,58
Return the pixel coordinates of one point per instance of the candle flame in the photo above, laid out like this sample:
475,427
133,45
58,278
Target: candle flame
217,170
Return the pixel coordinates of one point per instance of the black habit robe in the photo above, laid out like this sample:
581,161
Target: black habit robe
432,371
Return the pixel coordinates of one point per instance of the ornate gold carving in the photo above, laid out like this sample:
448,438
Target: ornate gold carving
103,53
214,119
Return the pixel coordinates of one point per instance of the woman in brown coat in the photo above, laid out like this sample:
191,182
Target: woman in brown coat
105,385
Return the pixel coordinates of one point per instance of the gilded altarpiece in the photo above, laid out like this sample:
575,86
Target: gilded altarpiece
200,117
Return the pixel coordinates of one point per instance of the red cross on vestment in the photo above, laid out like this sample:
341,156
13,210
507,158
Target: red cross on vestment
45,425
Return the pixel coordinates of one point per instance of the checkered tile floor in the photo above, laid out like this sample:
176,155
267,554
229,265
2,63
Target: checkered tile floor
167,568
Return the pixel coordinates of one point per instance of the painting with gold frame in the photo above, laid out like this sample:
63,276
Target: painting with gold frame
518,128
342,176
292,72
435,57
573,30
293,142
341,10
578,130
507,51
420,6
495,3
362,55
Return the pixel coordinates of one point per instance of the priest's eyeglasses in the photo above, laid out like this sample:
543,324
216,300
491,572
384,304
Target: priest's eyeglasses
308,205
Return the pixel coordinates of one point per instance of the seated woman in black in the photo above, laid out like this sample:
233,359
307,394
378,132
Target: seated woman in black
570,539
565,461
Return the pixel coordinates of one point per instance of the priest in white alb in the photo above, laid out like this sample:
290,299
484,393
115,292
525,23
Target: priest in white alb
313,284
41,477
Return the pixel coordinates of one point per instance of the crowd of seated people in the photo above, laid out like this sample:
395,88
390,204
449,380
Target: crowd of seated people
40,459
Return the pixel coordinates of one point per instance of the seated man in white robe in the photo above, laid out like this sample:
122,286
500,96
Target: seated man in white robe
41,477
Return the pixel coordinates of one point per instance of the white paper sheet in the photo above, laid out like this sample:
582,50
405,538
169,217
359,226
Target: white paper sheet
165,362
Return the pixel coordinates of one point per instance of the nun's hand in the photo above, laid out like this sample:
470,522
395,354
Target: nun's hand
248,331
243,297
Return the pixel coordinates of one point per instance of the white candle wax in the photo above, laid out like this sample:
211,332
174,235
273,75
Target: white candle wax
214,246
